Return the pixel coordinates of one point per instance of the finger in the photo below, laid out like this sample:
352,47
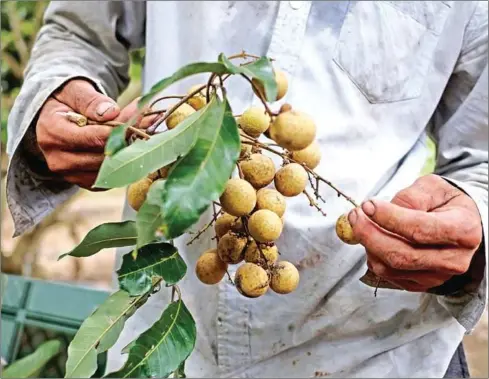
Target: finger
398,254
427,193
440,228
132,109
83,180
409,285
55,132
82,97
68,162
427,278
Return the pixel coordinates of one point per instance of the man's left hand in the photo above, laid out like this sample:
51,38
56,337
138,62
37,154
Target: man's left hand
428,233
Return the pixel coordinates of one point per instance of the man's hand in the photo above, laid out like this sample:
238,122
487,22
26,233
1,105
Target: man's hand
427,234
76,153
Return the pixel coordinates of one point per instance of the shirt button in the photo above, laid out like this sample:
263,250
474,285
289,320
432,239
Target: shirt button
295,4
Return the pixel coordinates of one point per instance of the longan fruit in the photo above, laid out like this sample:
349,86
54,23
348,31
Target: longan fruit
291,179
254,121
251,280
238,198
267,256
284,278
265,226
198,100
258,170
344,230
180,114
137,192
310,156
231,248
227,222
268,198
282,85
210,269
293,130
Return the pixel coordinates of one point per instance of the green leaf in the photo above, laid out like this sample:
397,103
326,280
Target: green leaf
161,349
117,140
98,333
200,177
153,260
112,234
182,73
146,156
31,365
149,218
261,69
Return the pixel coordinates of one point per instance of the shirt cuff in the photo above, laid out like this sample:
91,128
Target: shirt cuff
468,304
33,192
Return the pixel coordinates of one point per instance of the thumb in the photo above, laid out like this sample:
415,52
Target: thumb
81,96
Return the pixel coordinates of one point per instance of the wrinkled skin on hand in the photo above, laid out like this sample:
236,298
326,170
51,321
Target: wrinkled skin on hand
75,153
427,234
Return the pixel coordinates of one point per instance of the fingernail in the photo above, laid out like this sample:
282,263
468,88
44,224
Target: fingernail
352,217
104,107
368,208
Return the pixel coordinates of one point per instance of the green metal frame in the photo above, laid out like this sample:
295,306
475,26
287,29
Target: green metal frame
34,311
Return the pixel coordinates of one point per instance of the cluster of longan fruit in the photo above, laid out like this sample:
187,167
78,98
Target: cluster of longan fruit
254,203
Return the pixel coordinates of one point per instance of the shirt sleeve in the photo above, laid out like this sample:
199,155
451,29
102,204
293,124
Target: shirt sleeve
460,129
77,40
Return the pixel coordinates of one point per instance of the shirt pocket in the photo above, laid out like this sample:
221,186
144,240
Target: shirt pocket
386,48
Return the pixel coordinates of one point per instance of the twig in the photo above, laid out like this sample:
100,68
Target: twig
229,277
260,96
377,286
243,55
156,101
207,226
137,131
240,171
313,203
255,142
151,113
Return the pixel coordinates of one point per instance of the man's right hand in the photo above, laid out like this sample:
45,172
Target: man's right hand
76,153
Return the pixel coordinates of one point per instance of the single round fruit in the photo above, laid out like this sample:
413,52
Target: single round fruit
210,269
291,179
254,121
285,277
267,198
310,156
282,85
238,198
225,223
267,256
285,107
231,248
180,114
293,130
251,280
258,169
198,100
344,230
265,226
136,193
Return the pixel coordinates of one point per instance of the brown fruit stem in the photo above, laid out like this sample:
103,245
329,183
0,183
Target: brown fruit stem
313,203
137,131
156,101
206,226
256,143
260,96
